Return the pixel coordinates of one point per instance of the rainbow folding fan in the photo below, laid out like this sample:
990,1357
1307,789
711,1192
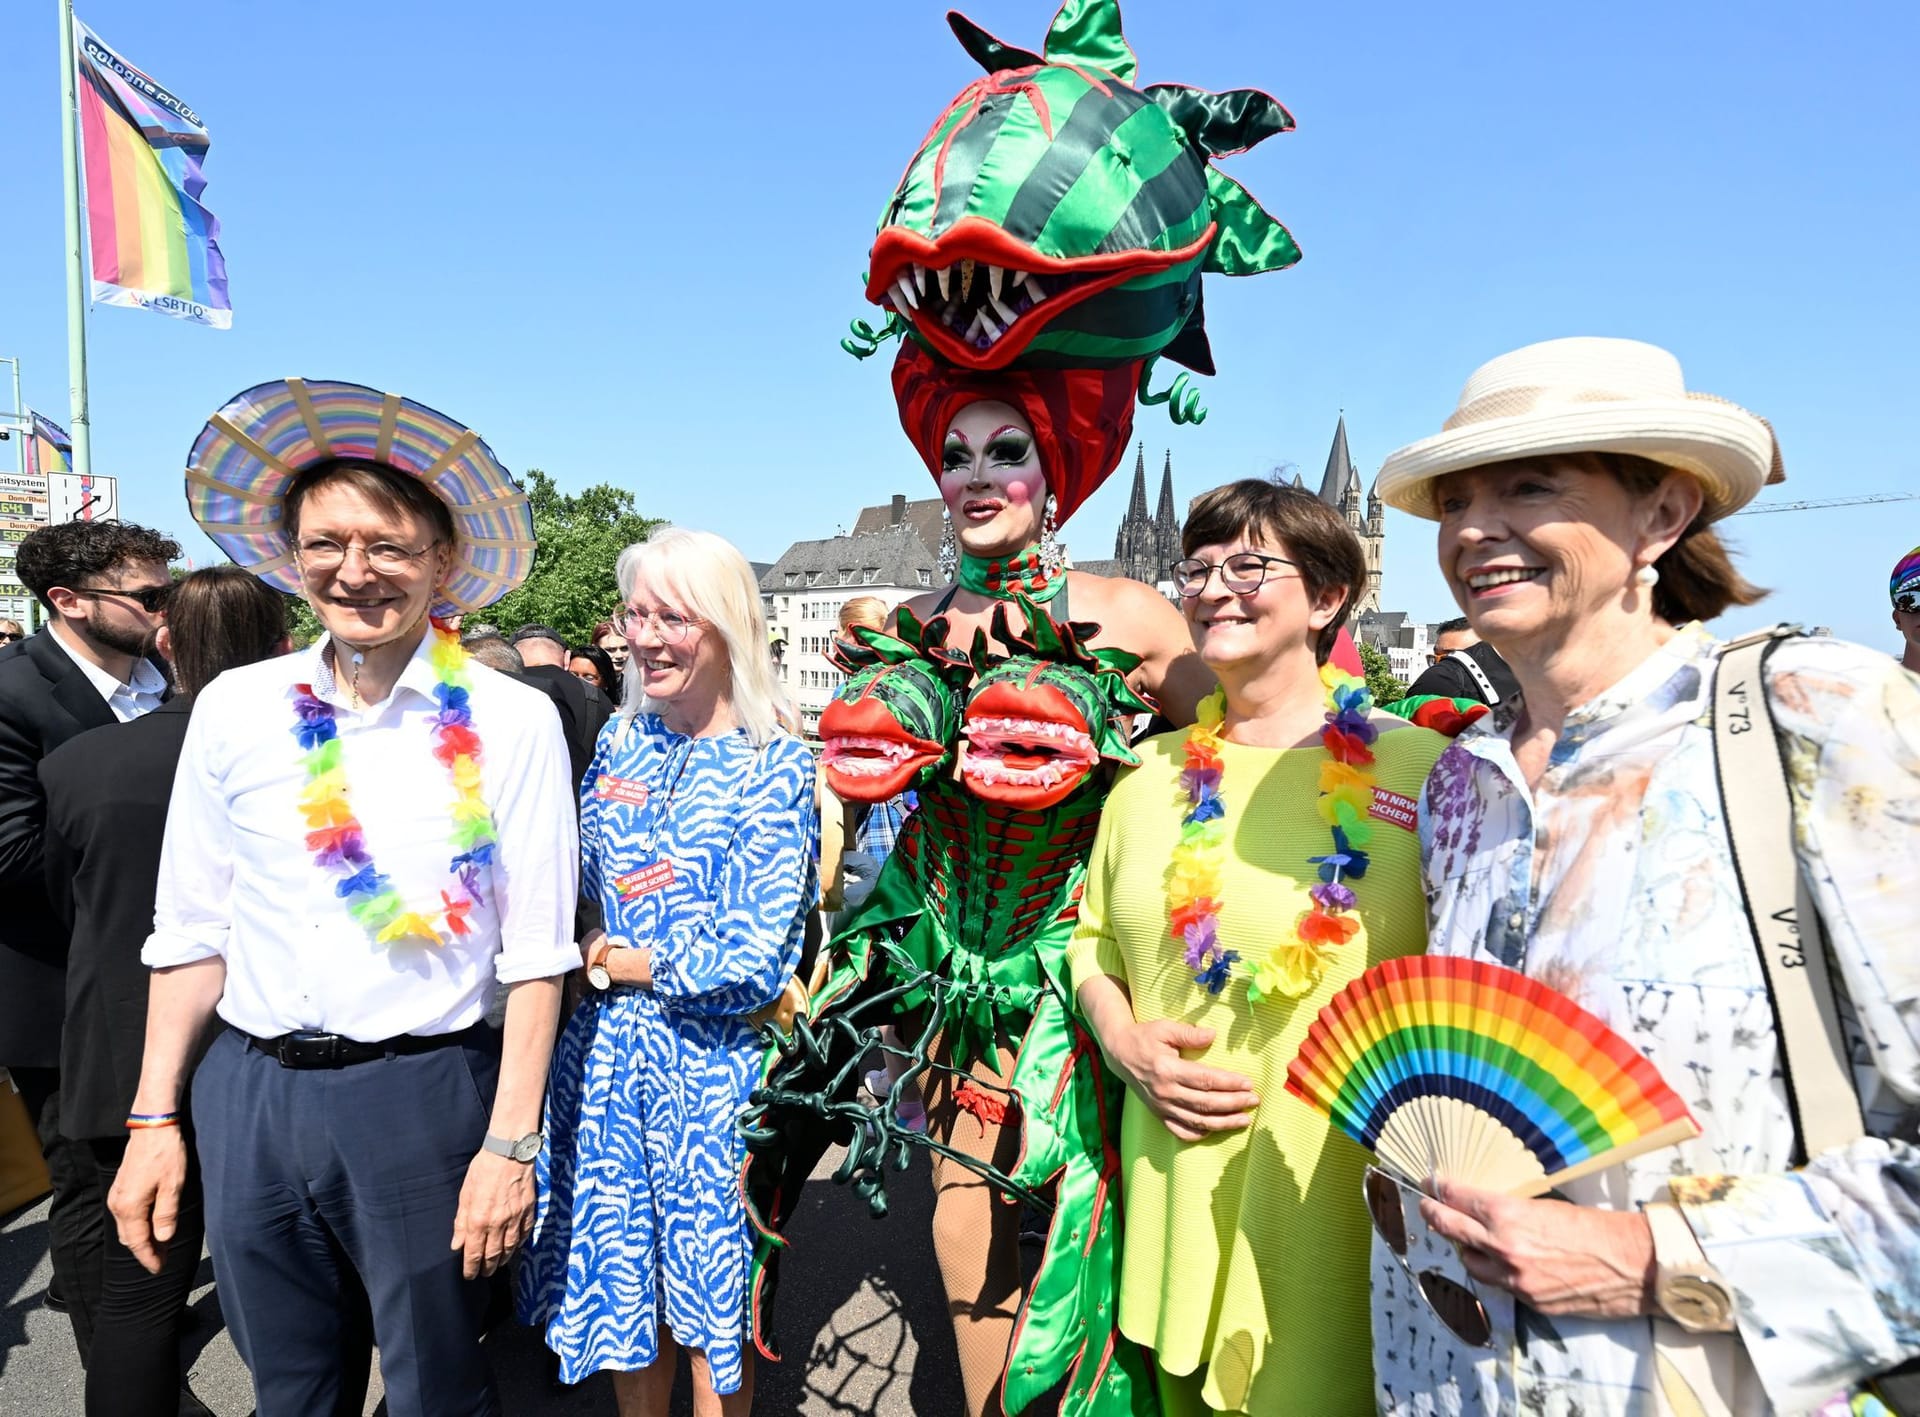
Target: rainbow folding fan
1466,1071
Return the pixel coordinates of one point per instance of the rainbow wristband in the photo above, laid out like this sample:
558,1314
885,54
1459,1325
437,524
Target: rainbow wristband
139,1121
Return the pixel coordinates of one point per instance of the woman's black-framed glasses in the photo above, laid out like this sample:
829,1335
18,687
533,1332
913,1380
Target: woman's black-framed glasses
670,625
387,558
1453,1303
150,598
1242,573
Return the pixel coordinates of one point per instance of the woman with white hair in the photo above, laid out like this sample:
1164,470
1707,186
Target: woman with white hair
1609,831
698,828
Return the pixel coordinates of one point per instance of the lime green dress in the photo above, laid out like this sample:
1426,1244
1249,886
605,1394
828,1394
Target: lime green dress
1245,1255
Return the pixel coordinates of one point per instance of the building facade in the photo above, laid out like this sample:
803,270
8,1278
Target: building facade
804,590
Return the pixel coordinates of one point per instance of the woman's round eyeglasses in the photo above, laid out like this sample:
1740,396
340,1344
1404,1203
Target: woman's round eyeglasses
387,558
1242,573
670,625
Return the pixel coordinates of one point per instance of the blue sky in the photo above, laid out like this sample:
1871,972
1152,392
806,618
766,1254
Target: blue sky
623,240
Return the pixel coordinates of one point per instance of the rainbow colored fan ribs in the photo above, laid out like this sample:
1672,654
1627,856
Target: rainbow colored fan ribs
1463,1070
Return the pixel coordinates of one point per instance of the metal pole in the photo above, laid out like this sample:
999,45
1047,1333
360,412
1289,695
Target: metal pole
25,431
80,428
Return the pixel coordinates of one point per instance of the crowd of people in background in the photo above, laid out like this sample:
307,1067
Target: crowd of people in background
429,953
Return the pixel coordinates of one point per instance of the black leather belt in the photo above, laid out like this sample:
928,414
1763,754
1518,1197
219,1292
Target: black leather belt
332,1050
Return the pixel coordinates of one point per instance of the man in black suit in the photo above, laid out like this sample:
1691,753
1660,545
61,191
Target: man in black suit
104,587
106,812
584,710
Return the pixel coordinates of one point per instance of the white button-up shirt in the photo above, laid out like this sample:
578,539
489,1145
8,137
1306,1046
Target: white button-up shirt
237,880
139,695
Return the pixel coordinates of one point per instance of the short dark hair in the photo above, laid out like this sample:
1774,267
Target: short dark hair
537,632
1317,538
393,492
70,554
220,618
1698,579
1452,627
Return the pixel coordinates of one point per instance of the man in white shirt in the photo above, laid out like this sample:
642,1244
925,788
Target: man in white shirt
365,839
103,586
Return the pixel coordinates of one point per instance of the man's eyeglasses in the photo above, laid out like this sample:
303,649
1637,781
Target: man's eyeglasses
1453,1303
386,558
670,625
1908,601
1242,573
150,598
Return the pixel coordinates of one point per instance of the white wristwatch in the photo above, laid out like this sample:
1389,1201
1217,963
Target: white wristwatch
597,974
1688,1289
523,1150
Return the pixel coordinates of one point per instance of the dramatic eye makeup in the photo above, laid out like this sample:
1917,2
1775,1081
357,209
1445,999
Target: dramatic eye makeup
1009,445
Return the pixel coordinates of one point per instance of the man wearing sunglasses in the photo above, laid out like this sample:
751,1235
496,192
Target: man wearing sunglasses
1905,588
103,586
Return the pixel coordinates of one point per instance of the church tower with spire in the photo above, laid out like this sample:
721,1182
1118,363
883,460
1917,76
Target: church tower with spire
1145,546
1341,489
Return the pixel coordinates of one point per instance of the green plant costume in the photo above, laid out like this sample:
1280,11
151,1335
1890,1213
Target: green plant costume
1044,247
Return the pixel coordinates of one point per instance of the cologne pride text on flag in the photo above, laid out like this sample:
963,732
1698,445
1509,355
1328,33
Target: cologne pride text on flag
154,246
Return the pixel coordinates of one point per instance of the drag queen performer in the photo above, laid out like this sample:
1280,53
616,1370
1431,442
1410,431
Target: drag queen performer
1031,303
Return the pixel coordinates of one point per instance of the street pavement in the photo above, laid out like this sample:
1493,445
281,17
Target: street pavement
861,1316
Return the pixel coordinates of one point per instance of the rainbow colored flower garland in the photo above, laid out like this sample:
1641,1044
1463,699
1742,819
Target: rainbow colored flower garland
1346,795
338,842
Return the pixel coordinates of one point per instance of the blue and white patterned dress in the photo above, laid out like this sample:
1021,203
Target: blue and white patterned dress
639,1220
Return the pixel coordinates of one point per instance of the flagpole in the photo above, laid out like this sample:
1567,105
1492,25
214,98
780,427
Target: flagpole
78,425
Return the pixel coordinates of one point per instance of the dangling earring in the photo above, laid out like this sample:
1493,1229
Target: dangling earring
1051,556
1646,578
949,546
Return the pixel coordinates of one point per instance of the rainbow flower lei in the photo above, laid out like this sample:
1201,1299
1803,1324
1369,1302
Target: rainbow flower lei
1346,794
336,838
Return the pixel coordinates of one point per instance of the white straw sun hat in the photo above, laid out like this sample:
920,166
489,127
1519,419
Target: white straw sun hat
1590,395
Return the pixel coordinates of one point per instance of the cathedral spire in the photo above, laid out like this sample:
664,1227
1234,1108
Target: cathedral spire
1333,486
1137,505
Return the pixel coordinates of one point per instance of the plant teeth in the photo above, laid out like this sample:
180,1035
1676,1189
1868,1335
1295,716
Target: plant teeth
919,277
904,288
967,269
996,278
987,327
1000,306
945,276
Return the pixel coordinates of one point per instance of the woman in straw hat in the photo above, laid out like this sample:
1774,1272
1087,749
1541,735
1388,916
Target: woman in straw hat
1579,834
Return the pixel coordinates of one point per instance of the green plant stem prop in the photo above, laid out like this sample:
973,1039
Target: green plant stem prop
961,947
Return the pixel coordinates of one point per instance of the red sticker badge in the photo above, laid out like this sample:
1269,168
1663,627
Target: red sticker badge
621,789
644,881
1392,807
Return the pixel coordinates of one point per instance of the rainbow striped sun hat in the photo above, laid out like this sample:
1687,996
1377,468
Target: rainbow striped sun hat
251,450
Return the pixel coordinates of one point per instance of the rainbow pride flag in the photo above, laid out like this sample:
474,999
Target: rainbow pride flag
154,246
49,449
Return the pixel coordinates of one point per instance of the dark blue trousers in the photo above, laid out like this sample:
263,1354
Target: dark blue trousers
314,1176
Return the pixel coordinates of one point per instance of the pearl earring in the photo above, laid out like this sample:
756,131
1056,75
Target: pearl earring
1646,577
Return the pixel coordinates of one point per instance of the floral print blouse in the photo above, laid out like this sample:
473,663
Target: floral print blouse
1612,881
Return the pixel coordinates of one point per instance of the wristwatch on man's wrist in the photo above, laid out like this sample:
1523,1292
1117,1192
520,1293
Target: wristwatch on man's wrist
1686,1287
523,1150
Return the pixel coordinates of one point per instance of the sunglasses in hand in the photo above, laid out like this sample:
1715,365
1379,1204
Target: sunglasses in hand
1453,1301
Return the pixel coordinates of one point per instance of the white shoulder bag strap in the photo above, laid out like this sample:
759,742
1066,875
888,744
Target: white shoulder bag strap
1759,815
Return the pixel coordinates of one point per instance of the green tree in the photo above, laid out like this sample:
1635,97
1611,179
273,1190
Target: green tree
571,586
1381,682
581,534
